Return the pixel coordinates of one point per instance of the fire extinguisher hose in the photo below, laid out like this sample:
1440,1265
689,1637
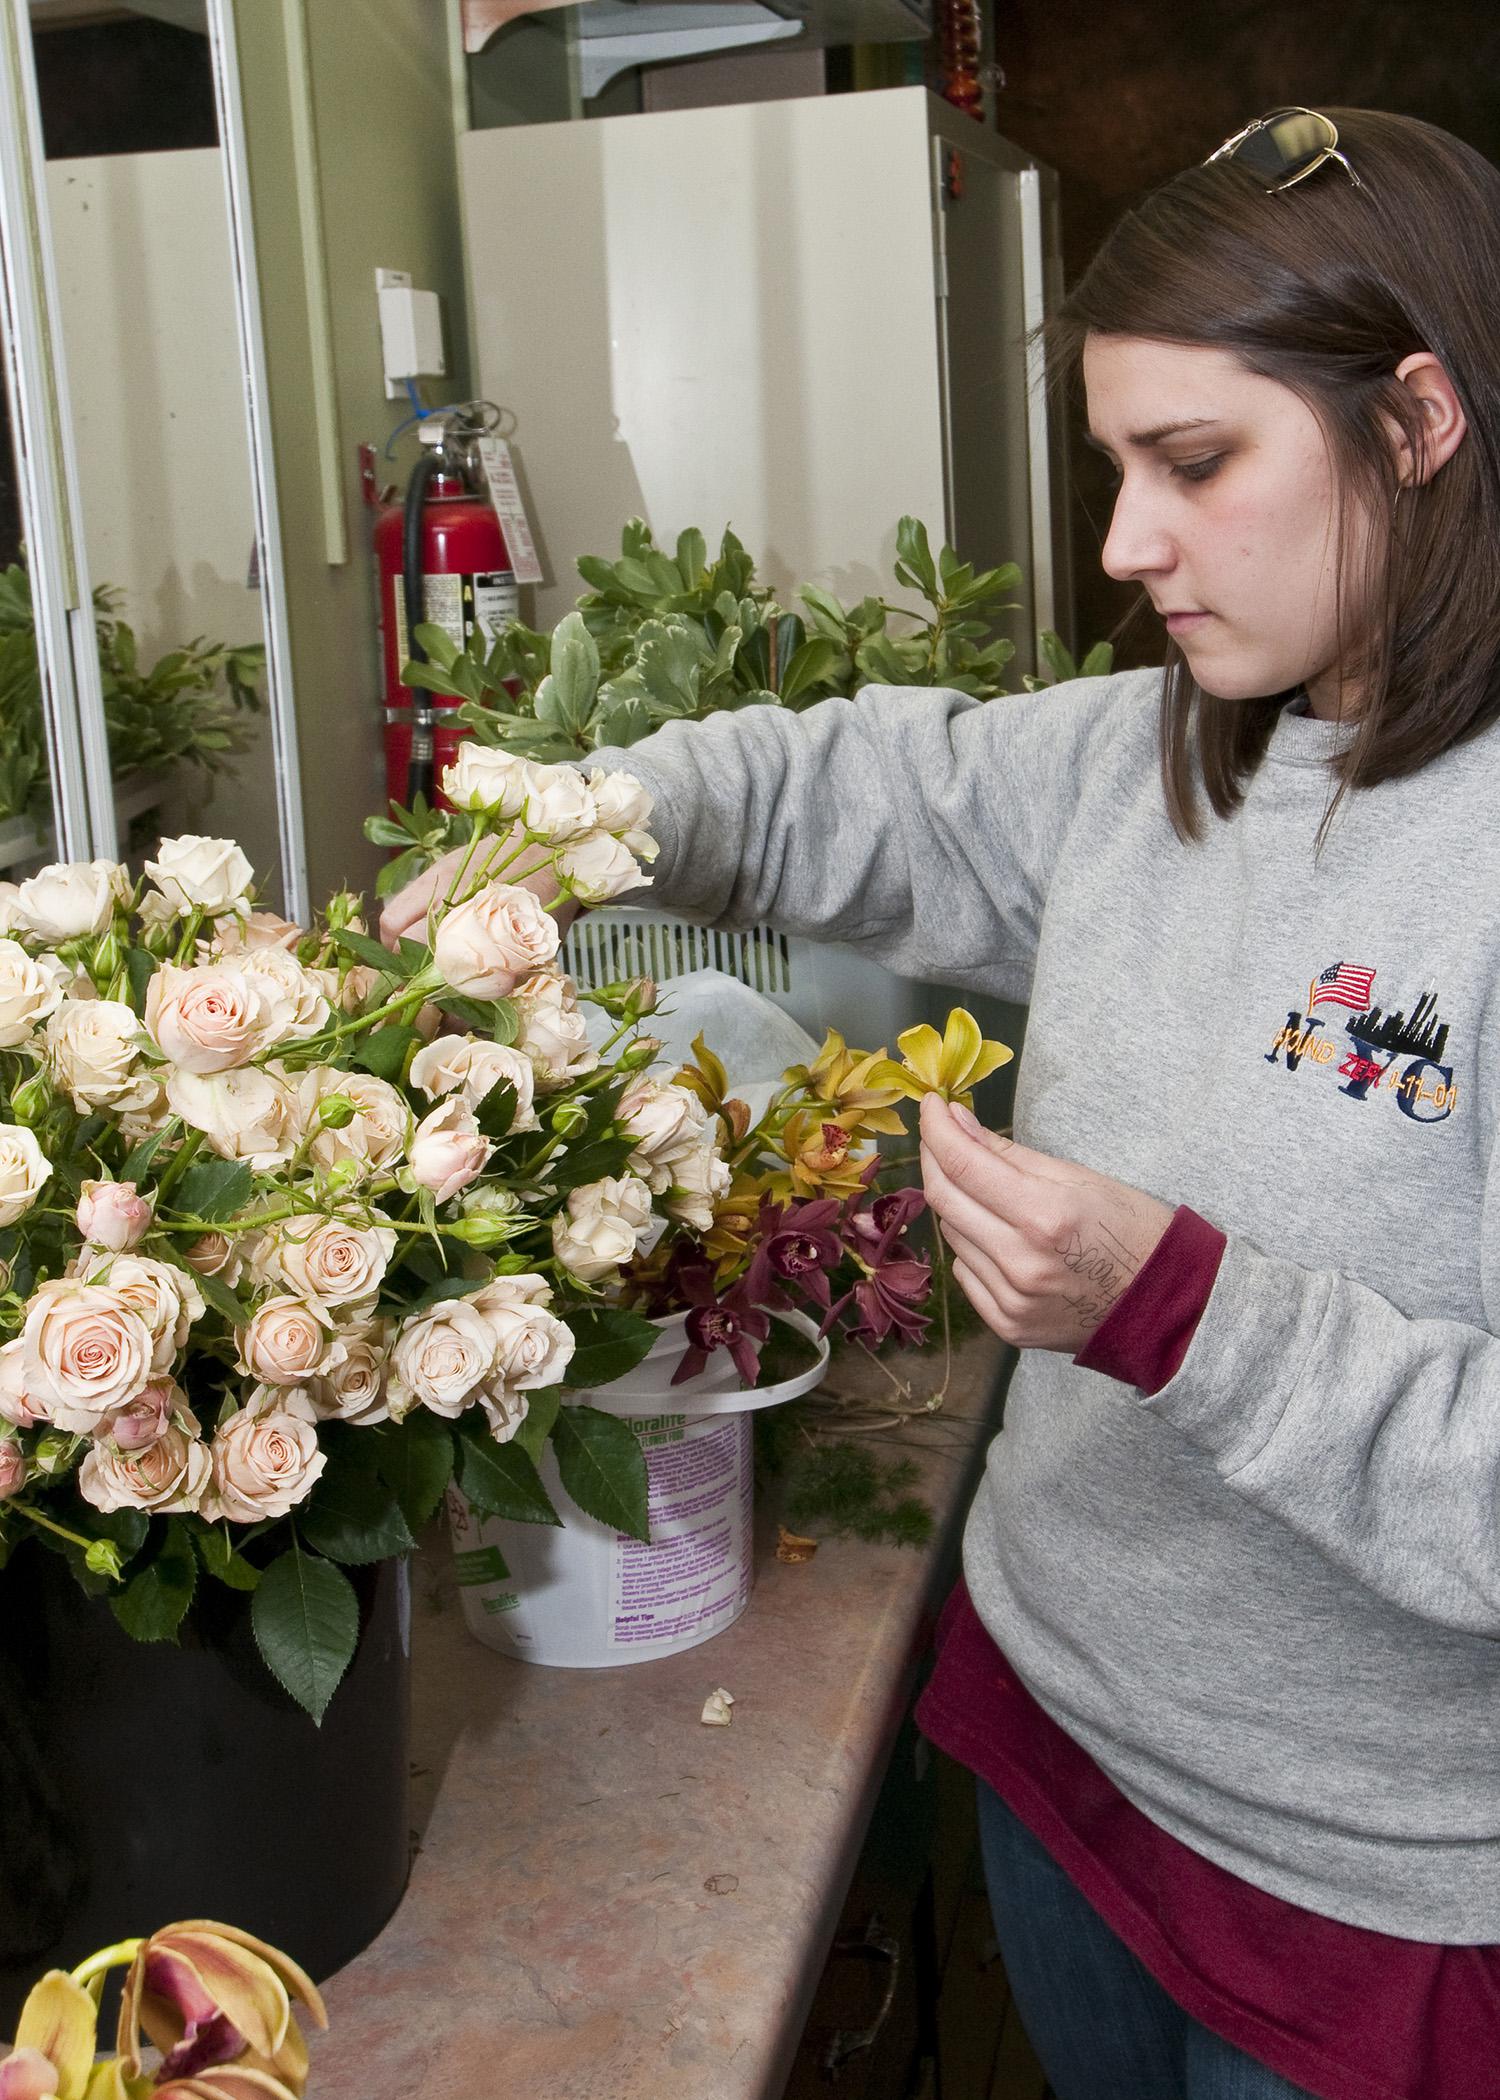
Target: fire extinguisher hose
419,775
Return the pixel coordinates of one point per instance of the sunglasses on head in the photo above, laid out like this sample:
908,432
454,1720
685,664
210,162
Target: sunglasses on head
1285,147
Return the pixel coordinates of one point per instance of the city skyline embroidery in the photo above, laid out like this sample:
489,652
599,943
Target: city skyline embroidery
1424,1089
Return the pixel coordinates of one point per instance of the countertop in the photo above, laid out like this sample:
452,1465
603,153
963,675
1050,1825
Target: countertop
611,1900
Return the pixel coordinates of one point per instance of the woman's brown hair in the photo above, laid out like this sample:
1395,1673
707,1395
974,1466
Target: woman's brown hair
1327,287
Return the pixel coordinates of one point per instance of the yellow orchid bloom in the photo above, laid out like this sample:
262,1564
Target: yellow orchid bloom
707,1078
822,1156
53,2054
950,1064
848,1081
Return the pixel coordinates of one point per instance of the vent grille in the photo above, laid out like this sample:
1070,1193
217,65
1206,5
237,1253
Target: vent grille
606,946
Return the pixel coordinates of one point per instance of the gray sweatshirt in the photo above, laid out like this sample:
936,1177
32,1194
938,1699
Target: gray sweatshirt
1266,1600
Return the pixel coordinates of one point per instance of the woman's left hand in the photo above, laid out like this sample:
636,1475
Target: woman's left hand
1042,1247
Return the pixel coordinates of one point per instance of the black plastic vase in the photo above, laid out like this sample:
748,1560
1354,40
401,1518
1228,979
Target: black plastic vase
142,1783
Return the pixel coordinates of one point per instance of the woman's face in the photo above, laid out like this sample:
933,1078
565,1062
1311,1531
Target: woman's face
1225,514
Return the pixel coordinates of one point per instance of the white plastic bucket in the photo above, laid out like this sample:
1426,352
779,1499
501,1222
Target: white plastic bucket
581,1596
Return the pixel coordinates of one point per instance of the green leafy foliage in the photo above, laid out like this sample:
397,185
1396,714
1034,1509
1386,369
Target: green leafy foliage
1059,665
154,1601
415,1460
602,1466
306,1620
500,1480
354,1516
610,1341
189,707
662,637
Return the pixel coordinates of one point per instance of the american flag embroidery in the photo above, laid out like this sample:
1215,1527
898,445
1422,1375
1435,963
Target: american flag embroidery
1342,985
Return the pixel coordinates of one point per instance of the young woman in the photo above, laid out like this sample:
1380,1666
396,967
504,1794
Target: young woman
1227,1661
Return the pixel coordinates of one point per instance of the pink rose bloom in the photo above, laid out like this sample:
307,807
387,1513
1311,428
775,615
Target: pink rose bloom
285,1343
16,1404
448,1150
169,1476
113,1215
146,1419
486,946
86,1352
265,1458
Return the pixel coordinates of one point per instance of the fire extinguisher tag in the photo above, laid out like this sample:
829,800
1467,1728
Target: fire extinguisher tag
510,509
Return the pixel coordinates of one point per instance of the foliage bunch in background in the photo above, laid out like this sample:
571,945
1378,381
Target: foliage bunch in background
189,707
673,637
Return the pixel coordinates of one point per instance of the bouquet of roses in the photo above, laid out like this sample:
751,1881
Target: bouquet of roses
294,1229
278,1259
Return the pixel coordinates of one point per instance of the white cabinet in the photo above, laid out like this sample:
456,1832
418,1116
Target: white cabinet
801,318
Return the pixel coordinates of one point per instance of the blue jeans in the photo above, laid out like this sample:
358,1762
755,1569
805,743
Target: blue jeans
1101,2024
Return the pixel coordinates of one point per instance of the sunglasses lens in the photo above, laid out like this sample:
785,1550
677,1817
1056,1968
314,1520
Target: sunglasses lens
1286,145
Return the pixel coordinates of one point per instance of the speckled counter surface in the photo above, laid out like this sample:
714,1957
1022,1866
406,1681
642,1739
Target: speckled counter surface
611,1901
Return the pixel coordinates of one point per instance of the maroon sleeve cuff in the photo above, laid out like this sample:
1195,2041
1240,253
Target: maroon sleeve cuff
1145,1335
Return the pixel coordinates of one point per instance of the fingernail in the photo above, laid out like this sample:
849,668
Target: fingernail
967,1118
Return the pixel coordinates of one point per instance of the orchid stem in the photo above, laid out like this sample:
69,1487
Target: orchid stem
119,1956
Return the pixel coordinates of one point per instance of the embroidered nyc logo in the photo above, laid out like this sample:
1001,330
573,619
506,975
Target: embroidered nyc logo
1366,1051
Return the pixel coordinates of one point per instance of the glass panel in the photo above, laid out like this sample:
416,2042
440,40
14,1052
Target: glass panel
140,236
25,795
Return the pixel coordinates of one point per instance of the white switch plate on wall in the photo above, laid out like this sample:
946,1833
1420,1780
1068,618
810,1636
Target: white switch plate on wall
411,331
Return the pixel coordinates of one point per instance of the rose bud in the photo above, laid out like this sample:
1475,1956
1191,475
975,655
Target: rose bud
103,1558
51,1454
643,1051
113,1214
215,1254
30,1101
570,1119
145,1419
12,1468
448,1150
336,1112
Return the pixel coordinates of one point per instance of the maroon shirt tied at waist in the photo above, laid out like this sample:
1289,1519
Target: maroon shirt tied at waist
1347,2013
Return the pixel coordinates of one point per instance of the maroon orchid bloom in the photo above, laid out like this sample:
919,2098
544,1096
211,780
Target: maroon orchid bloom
799,1245
730,1322
889,1300
873,1230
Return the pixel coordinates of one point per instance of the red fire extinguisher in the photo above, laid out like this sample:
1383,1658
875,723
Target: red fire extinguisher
441,558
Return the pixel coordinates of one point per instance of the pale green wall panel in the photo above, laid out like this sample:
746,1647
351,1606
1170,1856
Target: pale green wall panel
361,110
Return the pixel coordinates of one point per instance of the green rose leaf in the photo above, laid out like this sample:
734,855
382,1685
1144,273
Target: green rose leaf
216,1292
140,968
212,1189
610,1342
383,1051
153,1603
541,1413
138,1161
221,1560
353,1516
366,950
603,1468
306,1620
415,1460
500,1480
